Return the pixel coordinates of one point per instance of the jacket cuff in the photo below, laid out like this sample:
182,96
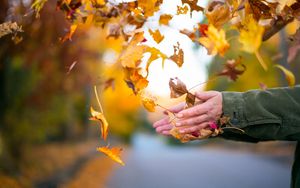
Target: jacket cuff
233,105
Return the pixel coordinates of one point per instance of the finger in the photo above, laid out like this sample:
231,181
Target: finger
161,122
166,133
205,95
195,120
192,129
197,110
175,109
164,128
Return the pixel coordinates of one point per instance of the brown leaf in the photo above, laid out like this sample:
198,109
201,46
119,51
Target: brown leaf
114,31
190,34
232,69
193,5
98,116
164,19
157,36
177,87
190,99
182,10
218,13
178,56
113,153
9,28
134,79
109,83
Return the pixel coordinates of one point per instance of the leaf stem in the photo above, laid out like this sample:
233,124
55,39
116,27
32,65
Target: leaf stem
209,80
261,61
96,93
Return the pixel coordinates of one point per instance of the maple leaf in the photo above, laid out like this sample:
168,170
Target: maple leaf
182,10
288,74
251,34
155,54
98,116
215,41
178,56
203,29
164,19
177,87
69,35
157,36
113,153
193,5
134,79
149,6
9,28
232,69
189,34
218,13
149,104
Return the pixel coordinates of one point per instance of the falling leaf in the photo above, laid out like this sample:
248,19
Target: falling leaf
134,79
155,54
215,41
157,36
69,35
37,6
113,153
149,6
98,116
288,75
149,104
177,87
114,31
193,5
109,83
218,13
9,28
189,34
178,55
164,19
203,29
251,34
182,10
232,69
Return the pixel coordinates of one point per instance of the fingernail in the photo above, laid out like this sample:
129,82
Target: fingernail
177,124
179,115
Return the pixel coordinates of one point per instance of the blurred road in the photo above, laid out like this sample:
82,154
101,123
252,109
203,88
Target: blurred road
151,164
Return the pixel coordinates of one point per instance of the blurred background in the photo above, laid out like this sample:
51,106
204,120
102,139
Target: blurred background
46,90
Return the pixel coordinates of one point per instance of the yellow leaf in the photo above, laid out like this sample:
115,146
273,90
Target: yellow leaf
164,19
155,54
149,6
182,10
215,41
69,35
157,36
134,79
98,116
251,34
288,74
113,153
149,104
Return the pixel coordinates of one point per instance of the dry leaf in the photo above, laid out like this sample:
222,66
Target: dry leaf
218,13
113,153
98,116
182,10
149,104
178,55
164,19
134,79
177,87
155,54
193,5
215,41
109,83
9,28
189,34
251,34
149,6
69,35
232,69
288,75
190,99
156,35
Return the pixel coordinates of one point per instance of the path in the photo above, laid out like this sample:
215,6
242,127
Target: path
151,164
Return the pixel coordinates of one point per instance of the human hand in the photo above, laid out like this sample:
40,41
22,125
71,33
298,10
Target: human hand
163,126
201,115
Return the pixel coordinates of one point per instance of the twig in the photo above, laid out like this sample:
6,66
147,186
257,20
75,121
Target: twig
96,93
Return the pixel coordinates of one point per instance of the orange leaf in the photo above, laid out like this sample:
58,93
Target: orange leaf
157,36
149,104
113,153
98,116
218,13
69,35
155,54
182,10
178,56
134,79
164,19
193,5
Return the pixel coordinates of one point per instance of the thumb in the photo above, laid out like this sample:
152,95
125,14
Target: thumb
205,95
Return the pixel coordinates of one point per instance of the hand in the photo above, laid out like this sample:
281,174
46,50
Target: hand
163,126
201,115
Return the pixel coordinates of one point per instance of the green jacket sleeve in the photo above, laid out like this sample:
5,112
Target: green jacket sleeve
273,114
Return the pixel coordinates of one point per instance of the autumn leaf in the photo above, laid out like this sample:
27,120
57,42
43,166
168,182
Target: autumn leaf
251,34
288,75
182,10
7,28
178,55
190,34
218,13
203,29
113,153
156,35
37,6
164,19
134,79
193,5
69,35
149,104
109,83
177,87
232,69
190,99
154,54
215,41
149,6
98,116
